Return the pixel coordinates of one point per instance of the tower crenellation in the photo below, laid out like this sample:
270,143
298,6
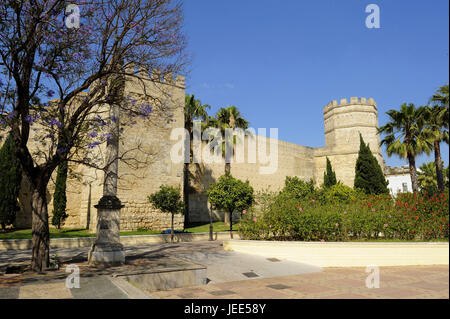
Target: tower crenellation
145,77
344,122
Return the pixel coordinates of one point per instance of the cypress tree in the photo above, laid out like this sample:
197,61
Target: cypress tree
329,177
368,174
10,179
59,197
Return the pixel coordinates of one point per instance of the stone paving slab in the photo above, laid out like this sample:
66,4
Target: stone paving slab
9,292
97,288
332,283
405,282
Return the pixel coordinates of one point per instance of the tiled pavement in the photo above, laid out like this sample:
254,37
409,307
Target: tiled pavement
15,286
412,282
332,283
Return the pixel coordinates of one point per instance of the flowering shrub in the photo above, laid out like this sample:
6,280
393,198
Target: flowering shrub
361,217
338,193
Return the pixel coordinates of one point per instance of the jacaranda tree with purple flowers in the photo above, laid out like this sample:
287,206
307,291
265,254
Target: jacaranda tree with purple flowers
57,80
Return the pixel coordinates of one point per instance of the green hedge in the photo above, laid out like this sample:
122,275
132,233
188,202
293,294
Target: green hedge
347,215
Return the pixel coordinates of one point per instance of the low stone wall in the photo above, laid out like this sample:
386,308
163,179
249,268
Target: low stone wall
337,254
136,215
25,244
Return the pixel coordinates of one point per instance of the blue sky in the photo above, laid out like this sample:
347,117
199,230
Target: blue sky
281,61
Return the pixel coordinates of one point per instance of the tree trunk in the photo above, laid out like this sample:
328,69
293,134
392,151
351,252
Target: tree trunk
232,123
226,218
210,224
438,163
227,168
3,226
41,234
413,173
171,231
186,194
231,225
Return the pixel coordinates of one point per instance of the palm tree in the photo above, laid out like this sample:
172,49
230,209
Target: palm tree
229,117
427,175
406,136
437,121
193,110
441,96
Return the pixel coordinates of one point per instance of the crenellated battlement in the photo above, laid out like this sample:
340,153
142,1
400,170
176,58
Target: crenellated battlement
156,76
346,119
353,101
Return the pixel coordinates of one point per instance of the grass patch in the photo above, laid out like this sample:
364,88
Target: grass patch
76,233
54,233
204,228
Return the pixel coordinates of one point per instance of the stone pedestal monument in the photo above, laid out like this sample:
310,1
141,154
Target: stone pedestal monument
107,249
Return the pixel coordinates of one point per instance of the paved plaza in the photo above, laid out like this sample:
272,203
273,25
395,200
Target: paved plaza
230,275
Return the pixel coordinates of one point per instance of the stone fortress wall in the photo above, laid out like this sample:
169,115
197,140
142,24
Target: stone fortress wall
343,123
153,140
136,181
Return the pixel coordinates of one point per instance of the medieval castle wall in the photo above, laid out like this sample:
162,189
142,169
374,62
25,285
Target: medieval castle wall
343,123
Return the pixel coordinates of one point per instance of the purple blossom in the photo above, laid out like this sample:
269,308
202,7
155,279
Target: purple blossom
114,119
54,122
100,121
92,145
29,119
10,115
61,150
2,122
93,134
108,136
146,109
50,93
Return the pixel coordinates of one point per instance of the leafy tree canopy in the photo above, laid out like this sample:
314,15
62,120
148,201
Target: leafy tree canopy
297,187
167,199
230,194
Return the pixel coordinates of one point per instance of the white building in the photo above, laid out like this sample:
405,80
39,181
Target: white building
399,179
